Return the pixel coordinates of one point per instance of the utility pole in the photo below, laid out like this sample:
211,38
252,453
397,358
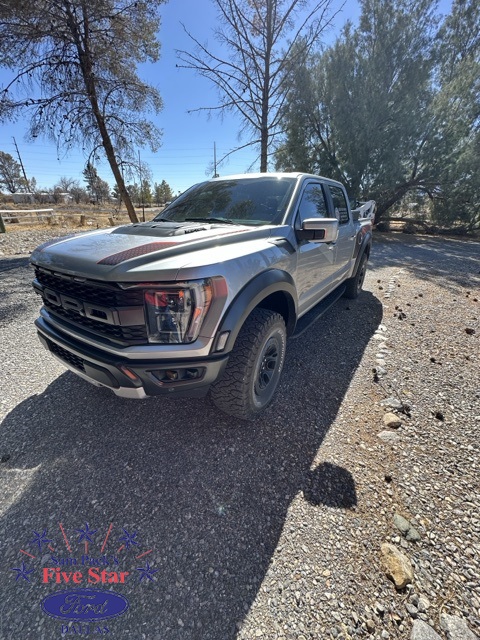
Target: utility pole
21,164
215,174
141,184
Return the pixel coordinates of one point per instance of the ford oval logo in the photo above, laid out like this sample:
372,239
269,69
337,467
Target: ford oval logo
84,604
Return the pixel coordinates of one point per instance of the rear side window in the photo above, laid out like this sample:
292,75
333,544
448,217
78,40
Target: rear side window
339,204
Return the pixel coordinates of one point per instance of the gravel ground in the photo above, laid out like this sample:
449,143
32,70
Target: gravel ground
274,529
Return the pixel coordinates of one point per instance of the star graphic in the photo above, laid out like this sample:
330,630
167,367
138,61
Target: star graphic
129,538
86,533
146,572
22,572
40,539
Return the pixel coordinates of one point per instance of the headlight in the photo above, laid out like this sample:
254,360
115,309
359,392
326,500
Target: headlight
175,314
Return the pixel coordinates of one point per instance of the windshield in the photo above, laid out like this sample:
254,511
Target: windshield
250,201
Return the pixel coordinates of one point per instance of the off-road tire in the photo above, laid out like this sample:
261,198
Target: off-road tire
355,283
254,368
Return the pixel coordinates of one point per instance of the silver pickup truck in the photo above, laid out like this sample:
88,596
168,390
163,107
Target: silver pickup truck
202,298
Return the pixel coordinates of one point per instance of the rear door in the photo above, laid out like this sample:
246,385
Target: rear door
345,244
315,260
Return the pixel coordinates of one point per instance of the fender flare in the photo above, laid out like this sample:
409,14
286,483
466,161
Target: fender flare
364,247
252,294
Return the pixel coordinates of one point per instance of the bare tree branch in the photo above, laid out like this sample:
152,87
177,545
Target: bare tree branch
254,76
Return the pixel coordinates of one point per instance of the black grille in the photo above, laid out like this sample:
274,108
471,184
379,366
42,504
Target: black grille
91,292
135,334
66,356
107,296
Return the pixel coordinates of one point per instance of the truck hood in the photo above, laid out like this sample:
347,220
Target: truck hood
126,253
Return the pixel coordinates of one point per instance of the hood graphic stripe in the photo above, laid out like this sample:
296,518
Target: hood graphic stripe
117,258
135,252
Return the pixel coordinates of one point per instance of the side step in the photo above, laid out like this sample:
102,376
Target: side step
318,310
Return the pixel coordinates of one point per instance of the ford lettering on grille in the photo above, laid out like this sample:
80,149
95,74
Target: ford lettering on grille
95,312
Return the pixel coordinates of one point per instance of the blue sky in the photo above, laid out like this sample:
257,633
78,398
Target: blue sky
188,138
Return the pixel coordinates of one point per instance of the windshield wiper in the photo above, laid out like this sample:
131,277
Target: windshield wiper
222,220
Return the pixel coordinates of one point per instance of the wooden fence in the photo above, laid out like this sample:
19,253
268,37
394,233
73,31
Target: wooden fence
52,217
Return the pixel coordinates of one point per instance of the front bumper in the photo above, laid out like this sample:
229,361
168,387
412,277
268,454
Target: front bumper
182,378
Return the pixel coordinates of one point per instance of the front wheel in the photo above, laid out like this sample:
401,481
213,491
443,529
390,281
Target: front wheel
355,283
254,367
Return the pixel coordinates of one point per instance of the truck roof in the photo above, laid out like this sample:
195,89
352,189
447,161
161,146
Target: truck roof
275,174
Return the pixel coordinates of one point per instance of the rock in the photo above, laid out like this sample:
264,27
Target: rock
380,608
370,624
412,535
412,610
456,628
392,421
396,565
402,524
423,604
422,631
389,436
393,403
405,527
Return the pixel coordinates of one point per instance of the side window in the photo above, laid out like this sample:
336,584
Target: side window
312,204
339,204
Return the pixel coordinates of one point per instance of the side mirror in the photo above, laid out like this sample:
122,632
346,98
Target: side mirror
319,230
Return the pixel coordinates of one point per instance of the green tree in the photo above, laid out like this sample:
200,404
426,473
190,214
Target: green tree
98,189
74,72
365,104
163,193
263,39
146,192
134,191
11,177
457,117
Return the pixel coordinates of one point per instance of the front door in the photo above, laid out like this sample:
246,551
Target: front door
315,260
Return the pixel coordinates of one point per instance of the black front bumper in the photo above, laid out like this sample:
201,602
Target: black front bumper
183,378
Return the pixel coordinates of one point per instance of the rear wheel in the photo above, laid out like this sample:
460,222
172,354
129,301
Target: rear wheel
354,284
254,368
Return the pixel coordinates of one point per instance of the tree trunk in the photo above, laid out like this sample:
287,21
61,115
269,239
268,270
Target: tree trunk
85,58
264,133
112,160
384,204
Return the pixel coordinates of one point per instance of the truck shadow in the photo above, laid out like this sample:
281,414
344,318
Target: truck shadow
206,495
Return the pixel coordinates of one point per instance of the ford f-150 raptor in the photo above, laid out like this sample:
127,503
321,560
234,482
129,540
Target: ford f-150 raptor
203,297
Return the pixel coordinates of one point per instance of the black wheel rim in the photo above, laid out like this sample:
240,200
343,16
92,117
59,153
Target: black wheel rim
268,365
361,275
268,368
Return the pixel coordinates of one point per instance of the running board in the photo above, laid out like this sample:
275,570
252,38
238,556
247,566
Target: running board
317,312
